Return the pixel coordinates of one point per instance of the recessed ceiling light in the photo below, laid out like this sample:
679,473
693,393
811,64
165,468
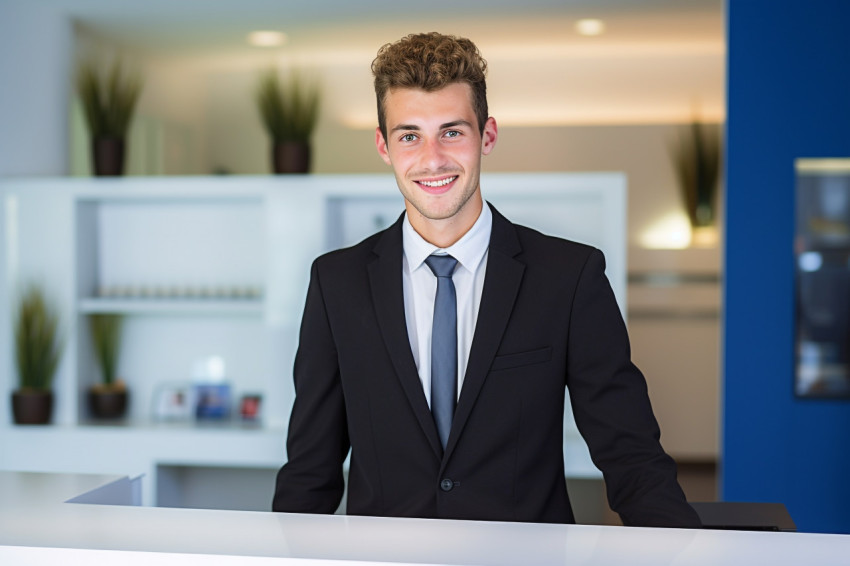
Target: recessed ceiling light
266,38
590,27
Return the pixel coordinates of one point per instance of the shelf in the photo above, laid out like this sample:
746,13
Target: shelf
248,307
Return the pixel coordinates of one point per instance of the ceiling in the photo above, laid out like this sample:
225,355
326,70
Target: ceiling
657,62
186,26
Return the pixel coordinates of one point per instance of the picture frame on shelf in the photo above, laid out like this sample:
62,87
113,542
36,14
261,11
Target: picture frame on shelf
174,402
212,401
250,408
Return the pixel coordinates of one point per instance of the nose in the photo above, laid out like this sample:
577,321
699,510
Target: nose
433,155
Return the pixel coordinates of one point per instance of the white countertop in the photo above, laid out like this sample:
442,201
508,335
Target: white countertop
38,527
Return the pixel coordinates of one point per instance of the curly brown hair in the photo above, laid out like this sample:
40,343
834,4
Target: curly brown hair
430,61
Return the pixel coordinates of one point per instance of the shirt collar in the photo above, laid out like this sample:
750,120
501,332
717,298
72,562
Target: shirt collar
468,251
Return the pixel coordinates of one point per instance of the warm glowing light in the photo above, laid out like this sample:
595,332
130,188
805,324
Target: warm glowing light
671,232
265,38
823,165
360,119
590,27
705,237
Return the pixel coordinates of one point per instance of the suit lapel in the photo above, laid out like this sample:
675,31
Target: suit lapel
385,278
501,286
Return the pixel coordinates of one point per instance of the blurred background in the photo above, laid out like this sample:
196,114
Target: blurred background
575,86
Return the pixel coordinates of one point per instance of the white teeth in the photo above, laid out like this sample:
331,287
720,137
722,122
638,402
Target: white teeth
438,183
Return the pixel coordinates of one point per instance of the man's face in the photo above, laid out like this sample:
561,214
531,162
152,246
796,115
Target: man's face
434,147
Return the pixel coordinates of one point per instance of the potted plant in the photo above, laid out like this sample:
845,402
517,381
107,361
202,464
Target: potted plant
107,399
289,112
108,103
696,158
37,352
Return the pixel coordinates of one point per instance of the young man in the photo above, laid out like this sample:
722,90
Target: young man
438,350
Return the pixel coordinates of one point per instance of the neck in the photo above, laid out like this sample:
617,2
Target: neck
446,231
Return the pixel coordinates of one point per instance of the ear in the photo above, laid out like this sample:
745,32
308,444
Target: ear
381,144
489,136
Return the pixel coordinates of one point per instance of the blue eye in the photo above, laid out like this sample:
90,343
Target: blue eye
408,137
452,133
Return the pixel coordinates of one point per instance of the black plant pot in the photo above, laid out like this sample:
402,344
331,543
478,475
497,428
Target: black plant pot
108,404
108,156
32,406
291,157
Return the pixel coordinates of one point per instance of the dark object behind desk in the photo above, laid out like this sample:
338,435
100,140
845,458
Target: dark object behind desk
743,516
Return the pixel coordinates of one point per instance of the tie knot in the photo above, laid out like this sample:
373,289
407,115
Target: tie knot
441,265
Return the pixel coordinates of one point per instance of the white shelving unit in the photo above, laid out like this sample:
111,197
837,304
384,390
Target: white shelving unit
178,250
247,307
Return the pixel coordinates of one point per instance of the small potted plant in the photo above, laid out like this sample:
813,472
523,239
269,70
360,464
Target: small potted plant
696,159
289,112
107,399
37,353
108,103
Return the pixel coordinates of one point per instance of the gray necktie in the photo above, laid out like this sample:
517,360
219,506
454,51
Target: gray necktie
444,345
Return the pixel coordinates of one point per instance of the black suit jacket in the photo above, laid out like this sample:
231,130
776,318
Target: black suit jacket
547,319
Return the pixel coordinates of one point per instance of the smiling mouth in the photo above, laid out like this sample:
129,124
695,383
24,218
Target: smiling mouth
437,184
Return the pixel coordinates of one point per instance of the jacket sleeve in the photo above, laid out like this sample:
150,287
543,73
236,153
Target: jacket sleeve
311,481
613,413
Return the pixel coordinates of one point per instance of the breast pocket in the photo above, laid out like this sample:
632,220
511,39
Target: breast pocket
519,359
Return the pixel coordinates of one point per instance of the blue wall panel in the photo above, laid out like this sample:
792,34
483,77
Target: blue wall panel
788,97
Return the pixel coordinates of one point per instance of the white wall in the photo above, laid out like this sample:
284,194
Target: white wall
36,46
35,50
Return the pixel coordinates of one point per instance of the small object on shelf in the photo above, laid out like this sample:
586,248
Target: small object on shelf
289,110
32,407
212,401
212,392
174,402
108,404
110,291
108,399
249,407
175,292
696,157
37,352
109,100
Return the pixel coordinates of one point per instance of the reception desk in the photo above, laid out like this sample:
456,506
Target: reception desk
80,519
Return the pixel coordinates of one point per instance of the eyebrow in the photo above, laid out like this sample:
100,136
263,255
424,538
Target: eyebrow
414,127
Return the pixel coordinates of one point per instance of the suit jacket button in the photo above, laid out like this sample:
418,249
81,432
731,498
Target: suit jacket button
447,484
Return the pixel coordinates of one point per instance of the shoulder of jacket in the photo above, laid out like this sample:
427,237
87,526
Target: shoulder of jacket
532,239
359,252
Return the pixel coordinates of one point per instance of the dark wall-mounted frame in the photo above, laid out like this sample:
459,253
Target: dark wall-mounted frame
822,279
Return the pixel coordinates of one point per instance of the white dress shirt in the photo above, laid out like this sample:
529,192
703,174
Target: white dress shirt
420,289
